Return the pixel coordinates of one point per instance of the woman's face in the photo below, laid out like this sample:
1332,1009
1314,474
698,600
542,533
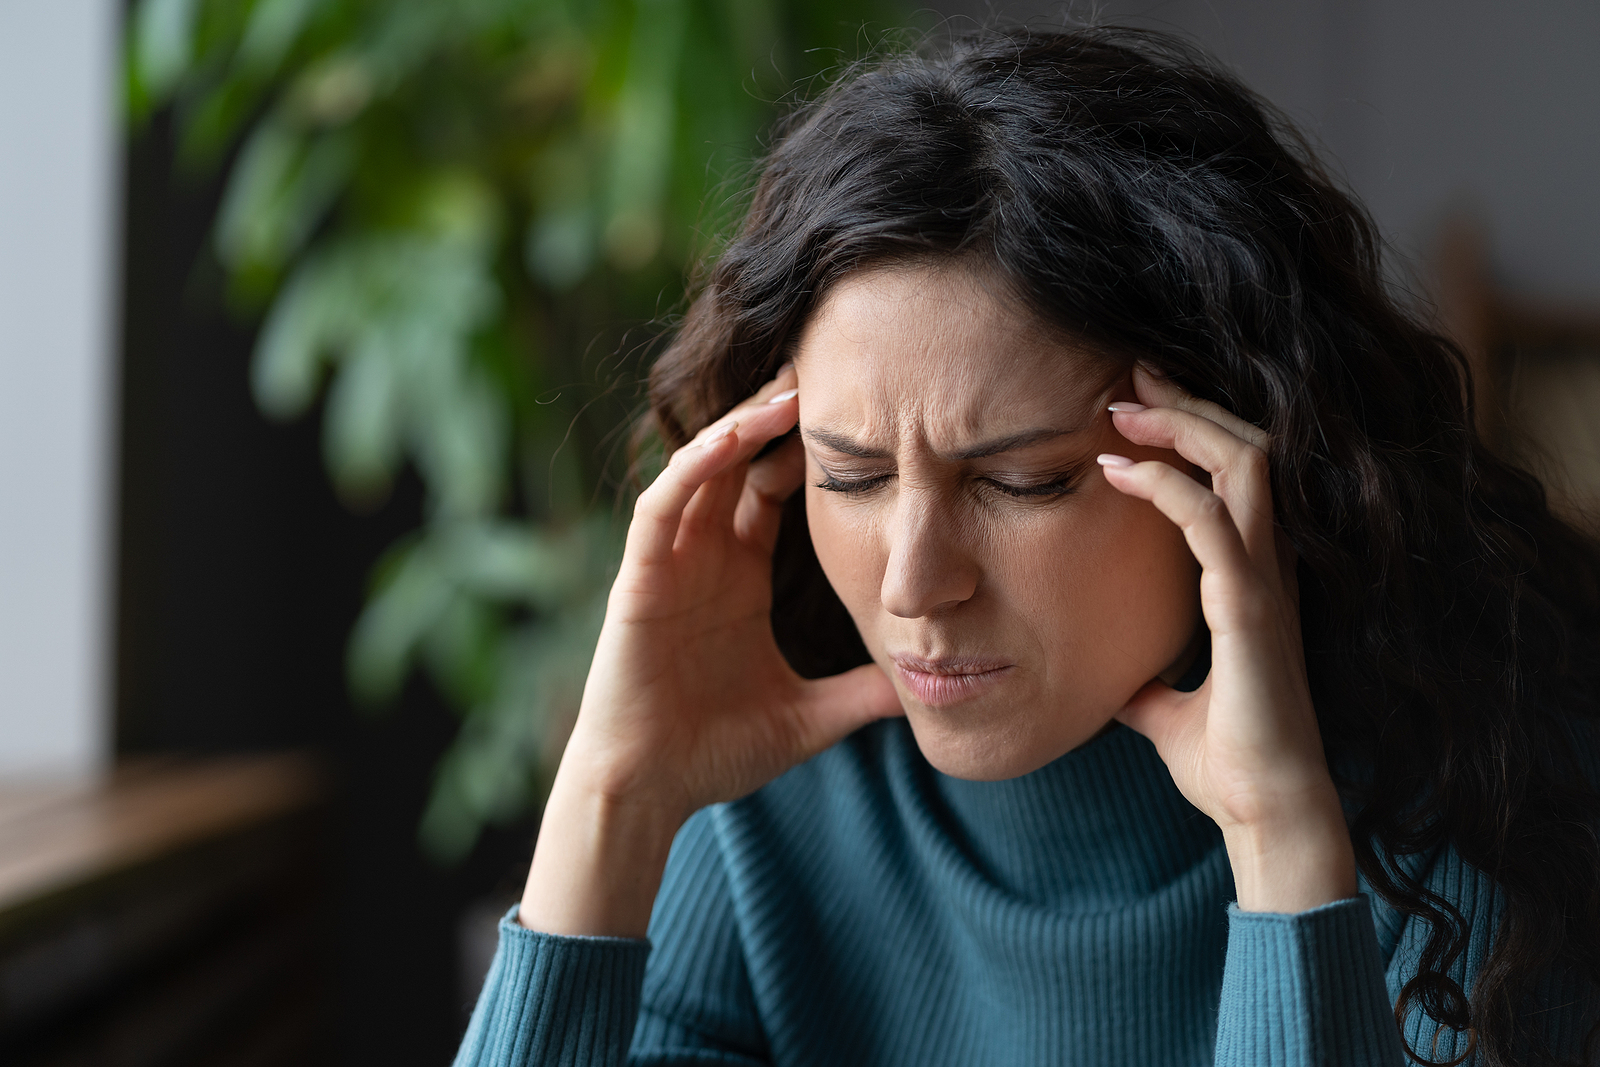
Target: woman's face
1014,597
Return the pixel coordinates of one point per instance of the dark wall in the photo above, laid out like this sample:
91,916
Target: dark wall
239,577
1428,108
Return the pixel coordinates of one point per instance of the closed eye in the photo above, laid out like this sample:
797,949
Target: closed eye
1056,487
1060,485
852,486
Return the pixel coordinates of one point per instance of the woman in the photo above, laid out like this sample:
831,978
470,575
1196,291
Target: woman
1154,668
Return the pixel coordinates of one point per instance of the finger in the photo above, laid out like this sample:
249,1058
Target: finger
1164,715
1156,391
772,412
770,482
658,512
1210,532
711,509
1238,469
833,708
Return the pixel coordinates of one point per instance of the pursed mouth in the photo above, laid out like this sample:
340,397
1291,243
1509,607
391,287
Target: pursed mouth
941,682
950,666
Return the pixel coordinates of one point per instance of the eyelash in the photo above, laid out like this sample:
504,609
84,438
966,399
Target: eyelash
1060,486
852,487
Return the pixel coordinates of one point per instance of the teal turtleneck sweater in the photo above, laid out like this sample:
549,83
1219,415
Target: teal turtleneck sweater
866,909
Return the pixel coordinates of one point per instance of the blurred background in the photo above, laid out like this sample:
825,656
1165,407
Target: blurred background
321,326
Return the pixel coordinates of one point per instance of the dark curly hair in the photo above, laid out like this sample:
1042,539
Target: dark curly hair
1138,198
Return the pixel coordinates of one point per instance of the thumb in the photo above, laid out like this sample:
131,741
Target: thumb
833,708
1160,713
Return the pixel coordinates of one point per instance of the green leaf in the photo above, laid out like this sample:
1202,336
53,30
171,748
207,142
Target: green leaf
401,309
394,623
273,28
460,648
333,91
458,206
279,191
646,118
319,309
458,435
163,43
507,748
363,422
514,563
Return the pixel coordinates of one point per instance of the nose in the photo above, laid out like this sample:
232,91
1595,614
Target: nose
930,569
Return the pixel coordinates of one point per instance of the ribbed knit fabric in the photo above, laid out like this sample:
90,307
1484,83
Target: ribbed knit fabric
866,909
556,1000
1306,988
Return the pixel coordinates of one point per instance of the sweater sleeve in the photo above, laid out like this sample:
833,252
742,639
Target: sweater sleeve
1319,987
1306,990
552,1001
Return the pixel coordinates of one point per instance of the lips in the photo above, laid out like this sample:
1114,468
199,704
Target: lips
942,682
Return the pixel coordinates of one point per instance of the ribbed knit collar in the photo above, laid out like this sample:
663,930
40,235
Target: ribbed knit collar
1102,824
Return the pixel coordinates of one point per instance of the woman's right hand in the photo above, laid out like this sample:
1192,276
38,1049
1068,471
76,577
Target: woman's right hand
688,701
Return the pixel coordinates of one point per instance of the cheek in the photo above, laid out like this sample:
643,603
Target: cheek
1137,554
1111,579
1133,561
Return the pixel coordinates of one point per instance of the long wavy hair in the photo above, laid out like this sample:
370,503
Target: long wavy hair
1134,196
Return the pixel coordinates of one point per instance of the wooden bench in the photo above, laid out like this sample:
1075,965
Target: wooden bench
172,914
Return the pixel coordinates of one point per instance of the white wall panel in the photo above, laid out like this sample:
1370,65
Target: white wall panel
57,160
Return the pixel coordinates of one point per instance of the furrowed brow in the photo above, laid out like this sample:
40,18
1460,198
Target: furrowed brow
1011,442
840,443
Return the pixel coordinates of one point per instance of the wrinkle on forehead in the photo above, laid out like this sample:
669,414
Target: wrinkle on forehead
936,354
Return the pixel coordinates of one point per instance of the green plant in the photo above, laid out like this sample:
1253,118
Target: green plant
443,210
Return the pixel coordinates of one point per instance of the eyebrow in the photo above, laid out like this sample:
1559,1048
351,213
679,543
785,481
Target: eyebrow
1010,443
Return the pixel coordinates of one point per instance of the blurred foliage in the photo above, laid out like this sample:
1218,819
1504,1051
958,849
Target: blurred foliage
443,210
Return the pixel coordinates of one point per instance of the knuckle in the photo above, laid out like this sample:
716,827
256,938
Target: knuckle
1212,508
648,503
1253,461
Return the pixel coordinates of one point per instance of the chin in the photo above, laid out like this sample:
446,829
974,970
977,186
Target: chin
994,751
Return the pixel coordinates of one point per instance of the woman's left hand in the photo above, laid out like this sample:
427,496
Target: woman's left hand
1244,748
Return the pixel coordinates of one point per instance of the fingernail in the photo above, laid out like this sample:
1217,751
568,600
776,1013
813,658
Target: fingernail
787,394
1107,459
1126,405
779,372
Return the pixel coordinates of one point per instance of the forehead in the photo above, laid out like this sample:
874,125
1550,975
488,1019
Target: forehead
939,352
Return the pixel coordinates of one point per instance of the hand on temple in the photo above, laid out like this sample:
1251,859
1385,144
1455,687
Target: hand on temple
689,701
1244,747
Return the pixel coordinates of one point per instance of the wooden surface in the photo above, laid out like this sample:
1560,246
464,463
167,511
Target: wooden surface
54,838
168,916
